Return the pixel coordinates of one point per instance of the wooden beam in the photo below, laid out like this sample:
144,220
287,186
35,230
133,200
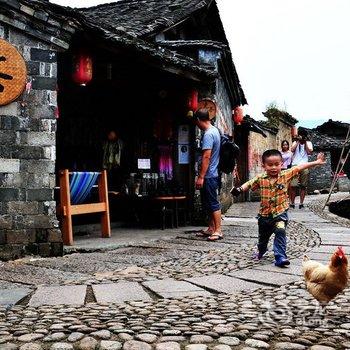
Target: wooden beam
88,208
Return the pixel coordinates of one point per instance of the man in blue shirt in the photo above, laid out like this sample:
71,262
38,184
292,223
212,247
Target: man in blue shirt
208,178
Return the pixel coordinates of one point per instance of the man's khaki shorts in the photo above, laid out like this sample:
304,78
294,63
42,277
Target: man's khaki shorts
301,180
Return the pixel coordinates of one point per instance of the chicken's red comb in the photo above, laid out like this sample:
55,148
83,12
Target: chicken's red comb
340,251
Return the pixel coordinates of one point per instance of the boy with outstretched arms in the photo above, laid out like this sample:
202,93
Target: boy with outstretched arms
274,203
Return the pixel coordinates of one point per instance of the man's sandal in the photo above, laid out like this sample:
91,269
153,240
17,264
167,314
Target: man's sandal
215,237
204,233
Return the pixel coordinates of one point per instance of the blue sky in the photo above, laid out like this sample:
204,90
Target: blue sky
292,52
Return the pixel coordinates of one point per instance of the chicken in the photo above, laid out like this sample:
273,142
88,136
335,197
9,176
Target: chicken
325,282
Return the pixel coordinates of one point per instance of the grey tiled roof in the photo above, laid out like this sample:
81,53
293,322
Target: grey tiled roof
51,23
143,17
322,142
156,52
57,23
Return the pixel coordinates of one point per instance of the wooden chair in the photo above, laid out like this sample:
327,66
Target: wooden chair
74,189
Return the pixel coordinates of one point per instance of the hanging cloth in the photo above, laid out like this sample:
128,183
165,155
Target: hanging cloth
166,161
112,154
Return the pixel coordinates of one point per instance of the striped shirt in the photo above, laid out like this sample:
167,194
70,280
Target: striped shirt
274,194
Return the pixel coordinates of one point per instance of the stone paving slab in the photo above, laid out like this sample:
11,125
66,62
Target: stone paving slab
223,283
295,268
67,295
335,230
318,256
10,297
326,249
271,278
336,242
334,236
119,292
11,285
170,288
307,217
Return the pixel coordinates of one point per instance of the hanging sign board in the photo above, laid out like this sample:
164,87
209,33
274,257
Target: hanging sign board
143,164
184,154
184,134
13,73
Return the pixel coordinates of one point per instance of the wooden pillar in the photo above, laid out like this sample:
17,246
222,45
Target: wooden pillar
67,229
103,197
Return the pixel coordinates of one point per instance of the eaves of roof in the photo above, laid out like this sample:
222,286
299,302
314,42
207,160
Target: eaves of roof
48,22
159,54
227,67
252,125
143,17
193,43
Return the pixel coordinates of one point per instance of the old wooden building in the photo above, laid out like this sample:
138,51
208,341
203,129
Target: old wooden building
134,67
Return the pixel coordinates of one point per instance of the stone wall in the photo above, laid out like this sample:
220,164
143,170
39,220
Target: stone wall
321,176
223,120
225,124
257,144
28,221
284,133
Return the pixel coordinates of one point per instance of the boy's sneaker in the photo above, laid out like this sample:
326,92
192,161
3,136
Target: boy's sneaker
282,262
301,206
258,255
292,206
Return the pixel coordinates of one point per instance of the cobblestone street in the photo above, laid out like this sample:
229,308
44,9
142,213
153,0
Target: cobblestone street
179,293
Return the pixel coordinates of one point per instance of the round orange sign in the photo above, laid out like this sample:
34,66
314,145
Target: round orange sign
210,105
13,73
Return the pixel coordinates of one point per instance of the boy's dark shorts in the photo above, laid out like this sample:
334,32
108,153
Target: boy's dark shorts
209,194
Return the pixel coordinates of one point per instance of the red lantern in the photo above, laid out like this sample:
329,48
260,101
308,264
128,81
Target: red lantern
193,101
238,115
82,69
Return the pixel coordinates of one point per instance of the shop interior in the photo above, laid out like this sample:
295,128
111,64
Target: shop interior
131,119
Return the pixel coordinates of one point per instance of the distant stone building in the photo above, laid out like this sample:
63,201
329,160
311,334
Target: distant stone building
329,138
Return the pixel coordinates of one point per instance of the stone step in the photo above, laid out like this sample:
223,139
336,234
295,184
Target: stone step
223,283
336,236
330,249
170,288
9,297
336,242
271,278
295,268
335,230
60,295
120,292
318,256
